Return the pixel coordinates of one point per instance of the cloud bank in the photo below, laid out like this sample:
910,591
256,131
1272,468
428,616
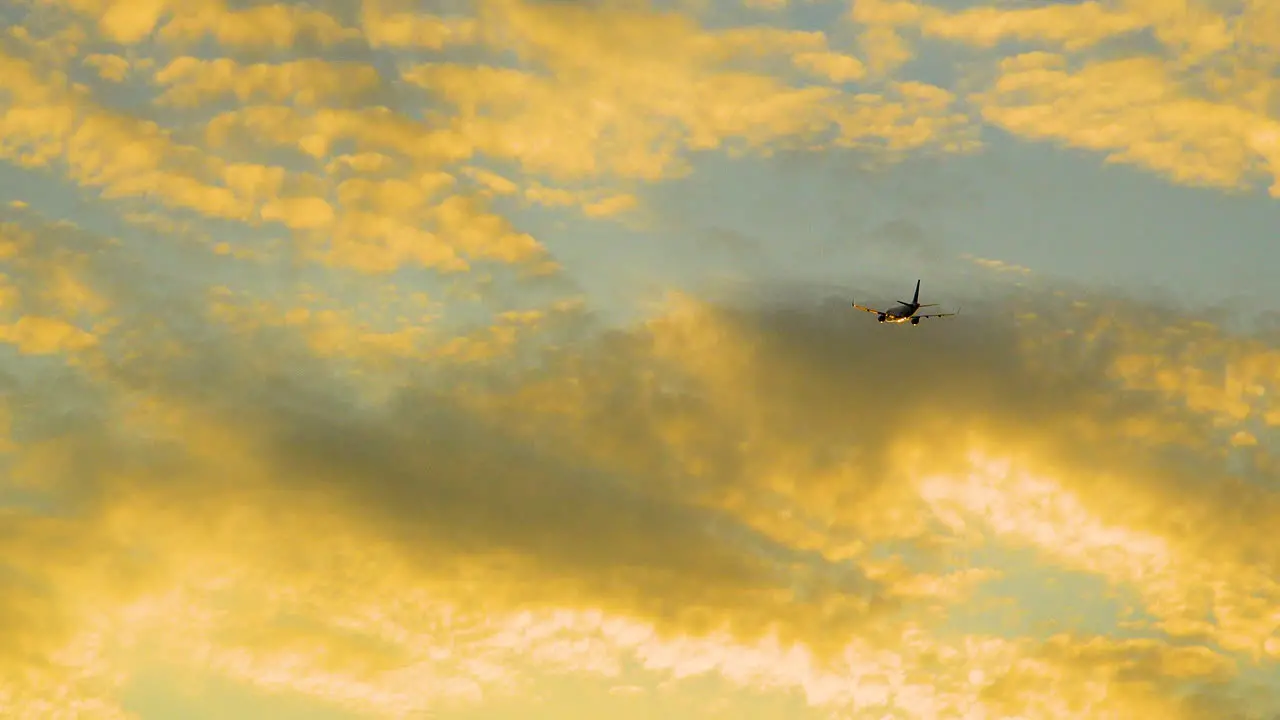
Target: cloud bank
297,396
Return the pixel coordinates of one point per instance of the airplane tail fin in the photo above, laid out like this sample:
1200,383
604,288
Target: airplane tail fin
915,299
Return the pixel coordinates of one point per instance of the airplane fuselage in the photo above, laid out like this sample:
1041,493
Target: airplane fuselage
900,314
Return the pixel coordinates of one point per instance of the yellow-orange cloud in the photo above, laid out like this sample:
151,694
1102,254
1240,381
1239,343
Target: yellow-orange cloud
360,497
1134,111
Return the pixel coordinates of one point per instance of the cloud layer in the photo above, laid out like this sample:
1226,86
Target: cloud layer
297,396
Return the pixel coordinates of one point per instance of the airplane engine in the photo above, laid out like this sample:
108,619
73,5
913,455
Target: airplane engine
881,317
915,321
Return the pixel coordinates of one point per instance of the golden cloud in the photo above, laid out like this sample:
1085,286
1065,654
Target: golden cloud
1073,26
835,67
192,82
671,100
410,28
276,25
564,121
1134,111
998,265
299,212
109,67
630,500
1201,118
120,21
1190,28
44,336
49,119
709,491
606,105
395,511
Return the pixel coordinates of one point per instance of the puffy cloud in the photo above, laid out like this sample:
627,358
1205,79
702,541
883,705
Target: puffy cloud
884,48
880,40
393,196
594,204
49,303
717,490
1130,533
191,82
278,25
606,105
632,501
563,119
44,336
1188,27
274,25
836,67
299,212
109,67
1196,112
408,27
267,25
396,507
120,21
1135,111
48,120
1072,26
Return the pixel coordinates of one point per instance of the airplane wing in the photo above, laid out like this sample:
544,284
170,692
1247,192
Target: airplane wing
867,309
933,315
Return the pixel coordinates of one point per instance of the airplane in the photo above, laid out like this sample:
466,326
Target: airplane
905,310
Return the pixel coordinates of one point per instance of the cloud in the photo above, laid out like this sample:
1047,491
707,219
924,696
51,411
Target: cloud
1117,531
48,120
880,39
1192,111
999,265
606,106
597,204
411,28
121,21
191,82
44,336
716,490
453,472
299,212
52,124
632,474
424,491
1134,111
835,67
1072,26
276,25
49,304
110,67
281,140
1187,27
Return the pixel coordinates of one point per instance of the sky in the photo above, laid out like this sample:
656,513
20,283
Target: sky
488,359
